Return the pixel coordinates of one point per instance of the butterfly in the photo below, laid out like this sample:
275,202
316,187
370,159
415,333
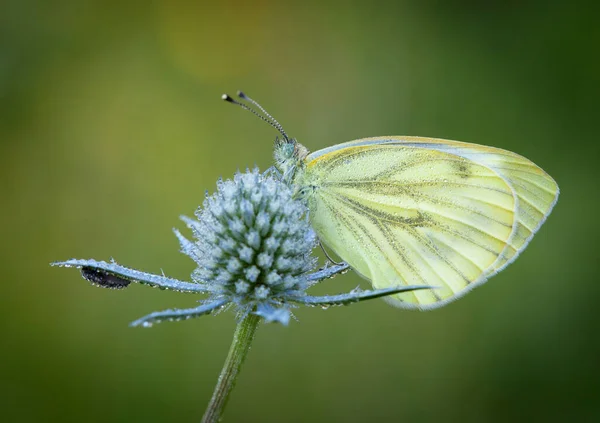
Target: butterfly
415,210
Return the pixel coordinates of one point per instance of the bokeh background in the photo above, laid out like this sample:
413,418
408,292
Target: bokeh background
111,127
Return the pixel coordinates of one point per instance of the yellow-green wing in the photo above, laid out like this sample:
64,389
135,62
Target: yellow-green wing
407,210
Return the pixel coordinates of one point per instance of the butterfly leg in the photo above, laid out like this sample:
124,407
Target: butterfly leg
328,256
272,171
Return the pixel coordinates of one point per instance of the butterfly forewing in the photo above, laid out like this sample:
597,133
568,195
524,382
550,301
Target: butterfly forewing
403,211
535,190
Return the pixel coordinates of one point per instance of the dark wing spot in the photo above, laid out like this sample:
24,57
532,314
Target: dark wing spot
422,220
462,168
104,279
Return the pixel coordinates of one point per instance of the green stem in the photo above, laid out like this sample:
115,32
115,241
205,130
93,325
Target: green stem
242,338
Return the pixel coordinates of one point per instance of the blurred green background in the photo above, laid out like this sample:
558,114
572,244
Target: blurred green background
111,126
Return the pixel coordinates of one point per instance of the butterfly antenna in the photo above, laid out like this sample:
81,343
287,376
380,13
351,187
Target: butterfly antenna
254,112
262,109
269,119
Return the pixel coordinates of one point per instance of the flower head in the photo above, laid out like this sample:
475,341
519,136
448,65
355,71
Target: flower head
252,241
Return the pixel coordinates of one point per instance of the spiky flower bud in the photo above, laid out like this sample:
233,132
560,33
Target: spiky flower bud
252,239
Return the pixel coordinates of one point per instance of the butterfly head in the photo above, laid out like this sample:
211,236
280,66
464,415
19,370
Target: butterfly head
289,154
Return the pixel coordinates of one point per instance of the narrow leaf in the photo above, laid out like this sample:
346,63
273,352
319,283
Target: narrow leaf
112,275
355,296
177,314
326,272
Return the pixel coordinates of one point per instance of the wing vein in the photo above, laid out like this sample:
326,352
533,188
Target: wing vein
353,182
352,201
462,255
553,193
432,247
349,223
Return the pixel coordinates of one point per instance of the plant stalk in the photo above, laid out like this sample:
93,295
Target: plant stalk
242,339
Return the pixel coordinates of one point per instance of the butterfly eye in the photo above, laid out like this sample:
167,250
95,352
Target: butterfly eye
104,279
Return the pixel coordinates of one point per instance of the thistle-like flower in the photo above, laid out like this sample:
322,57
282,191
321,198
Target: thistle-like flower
252,247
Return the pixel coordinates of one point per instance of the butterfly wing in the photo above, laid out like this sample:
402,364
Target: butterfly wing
408,210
